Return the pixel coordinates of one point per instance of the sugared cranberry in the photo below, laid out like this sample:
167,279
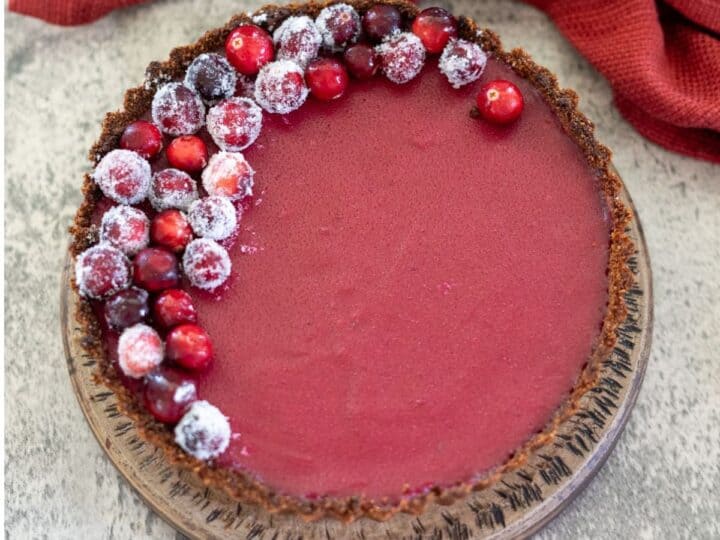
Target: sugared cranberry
189,346
500,102
462,62
338,25
234,123
248,48
211,76
101,271
228,174
187,153
125,228
401,57
173,307
171,229
381,21
280,87
155,269
204,431
142,137
172,188
213,217
126,308
326,78
435,27
168,393
140,351
206,264
297,39
178,110
123,176
361,61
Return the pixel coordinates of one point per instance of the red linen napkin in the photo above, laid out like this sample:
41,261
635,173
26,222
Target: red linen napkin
661,57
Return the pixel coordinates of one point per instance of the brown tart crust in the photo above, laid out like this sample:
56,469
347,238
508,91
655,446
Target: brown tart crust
563,102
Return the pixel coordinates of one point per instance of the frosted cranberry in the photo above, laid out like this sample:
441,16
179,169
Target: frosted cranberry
173,307
123,176
500,102
248,48
228,174
211,76
178,110
361,61
234,123
171,229
168,393
155,269
140,351
172,188
326,78
297,39
435,27
381,21
280,87
187,153
125,228
213,217
206,264
101,271
142,137
462,62
189,346
401,57
203,432
338,25
126,308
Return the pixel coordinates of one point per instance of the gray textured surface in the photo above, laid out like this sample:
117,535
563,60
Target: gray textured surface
662,480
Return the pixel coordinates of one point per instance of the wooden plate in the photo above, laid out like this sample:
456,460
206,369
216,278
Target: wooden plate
518,505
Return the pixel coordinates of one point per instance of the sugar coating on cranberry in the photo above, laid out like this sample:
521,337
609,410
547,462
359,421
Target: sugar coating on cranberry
203,432
178,110
280,87
338,25
297,39
123,176
213,217
102,270
140,351
234,123
211,76
462,62
172,188
228,174
206,264
402,57
125,228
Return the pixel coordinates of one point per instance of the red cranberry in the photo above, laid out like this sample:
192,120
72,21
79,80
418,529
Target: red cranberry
361,61
142,137
462,62
126,308
173,307
380,21
401,57
168,393
500,102
140,350
228,174
187,153
338,25
101,271
155,269
206,263
189,346
298,39
177,110
326,78
248,48
435,26
125,228
280,87
123,176
171,229
211,76
172,188
234,123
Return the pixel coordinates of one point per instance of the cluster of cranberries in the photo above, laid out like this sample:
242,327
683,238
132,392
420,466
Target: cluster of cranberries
136,267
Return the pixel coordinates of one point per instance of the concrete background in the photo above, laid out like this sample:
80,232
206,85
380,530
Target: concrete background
661,481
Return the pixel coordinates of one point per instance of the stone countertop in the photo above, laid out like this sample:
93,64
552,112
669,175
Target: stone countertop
662,479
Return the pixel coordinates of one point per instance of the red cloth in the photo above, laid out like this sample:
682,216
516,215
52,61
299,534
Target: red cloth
661,57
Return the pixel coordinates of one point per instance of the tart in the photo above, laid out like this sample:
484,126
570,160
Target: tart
343,259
